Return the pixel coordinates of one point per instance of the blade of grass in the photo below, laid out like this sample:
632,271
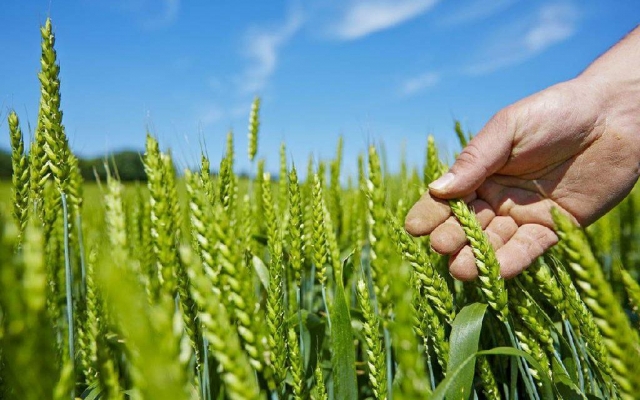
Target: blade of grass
443,388
343,358
465,335
68,284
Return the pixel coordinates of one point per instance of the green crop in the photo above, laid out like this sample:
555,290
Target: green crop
214,286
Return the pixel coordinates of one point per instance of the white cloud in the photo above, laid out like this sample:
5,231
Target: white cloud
364,17
167,14
263,49
209,114
419,83
149,14
554,23
240,110
476,11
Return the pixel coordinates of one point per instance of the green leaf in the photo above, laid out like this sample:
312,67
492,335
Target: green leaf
453,375
513,385
343,358
572,369
465,335
348,267
262,271
313,336
447,384
92,392
566,387
547,391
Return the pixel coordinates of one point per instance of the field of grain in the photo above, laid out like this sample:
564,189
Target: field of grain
202,285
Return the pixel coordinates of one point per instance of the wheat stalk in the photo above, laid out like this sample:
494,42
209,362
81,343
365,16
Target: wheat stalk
237,374
20,166
619,337
377,233
490,281
429,280
254,126
296,226
376,361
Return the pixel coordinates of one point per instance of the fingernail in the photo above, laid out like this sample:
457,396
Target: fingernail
442,182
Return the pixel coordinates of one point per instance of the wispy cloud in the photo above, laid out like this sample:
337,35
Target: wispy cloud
553,23
475,11
419,83
210,113
263,47
148,14
166,15
364,17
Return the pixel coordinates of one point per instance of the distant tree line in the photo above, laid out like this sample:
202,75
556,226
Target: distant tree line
126,164
5,164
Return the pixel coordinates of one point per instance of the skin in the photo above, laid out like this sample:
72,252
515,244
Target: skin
574,146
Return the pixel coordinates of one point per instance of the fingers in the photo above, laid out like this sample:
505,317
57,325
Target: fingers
483,156
527,243
462,265
521,231
524,206
500,230
426,215
484,212
449,237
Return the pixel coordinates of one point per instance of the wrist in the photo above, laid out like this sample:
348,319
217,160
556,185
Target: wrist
613,94
616,97
615,76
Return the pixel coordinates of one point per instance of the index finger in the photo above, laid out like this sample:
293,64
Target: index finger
426,215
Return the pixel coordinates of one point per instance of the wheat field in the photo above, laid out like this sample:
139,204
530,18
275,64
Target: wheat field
201,284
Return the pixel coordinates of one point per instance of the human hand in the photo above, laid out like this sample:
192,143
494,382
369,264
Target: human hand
574,146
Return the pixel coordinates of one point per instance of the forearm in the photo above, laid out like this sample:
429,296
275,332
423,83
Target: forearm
621,63
614,79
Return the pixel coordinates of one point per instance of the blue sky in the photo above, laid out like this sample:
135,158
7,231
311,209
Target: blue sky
384,71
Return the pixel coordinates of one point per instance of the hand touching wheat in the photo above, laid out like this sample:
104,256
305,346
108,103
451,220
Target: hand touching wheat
574,146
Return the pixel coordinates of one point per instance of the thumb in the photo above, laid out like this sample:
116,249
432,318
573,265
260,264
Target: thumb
485,154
